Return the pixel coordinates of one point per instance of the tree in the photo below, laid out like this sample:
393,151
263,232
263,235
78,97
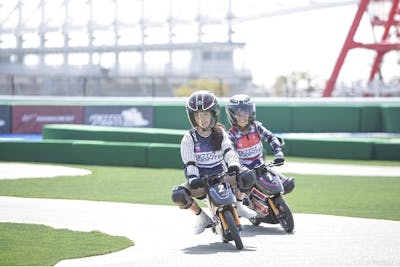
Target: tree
216,86
297,83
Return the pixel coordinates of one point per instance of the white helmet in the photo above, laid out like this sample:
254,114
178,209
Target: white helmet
237,103
202,101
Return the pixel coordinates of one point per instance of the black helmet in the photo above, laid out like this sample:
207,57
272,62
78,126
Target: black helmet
240,102
202,101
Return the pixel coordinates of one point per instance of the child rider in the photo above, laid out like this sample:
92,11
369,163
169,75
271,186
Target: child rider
206,149
247,135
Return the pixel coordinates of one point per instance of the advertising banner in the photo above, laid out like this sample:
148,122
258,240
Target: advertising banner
121,116
31,119
5,119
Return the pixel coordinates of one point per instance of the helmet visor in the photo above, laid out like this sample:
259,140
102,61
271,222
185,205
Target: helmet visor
201,102
247,108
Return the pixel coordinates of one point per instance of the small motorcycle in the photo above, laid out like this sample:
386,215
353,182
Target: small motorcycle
266,198
221,201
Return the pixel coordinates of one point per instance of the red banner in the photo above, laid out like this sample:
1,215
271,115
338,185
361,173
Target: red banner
31,119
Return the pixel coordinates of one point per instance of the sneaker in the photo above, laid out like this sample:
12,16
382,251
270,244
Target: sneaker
244,211
203,221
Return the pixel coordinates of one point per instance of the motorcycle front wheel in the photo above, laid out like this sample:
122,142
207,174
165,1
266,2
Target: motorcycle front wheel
285,216
233,229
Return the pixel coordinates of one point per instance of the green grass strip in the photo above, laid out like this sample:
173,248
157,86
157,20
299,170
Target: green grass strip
367,197
39,245
114,184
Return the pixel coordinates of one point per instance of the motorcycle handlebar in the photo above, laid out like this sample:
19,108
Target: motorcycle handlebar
277,164
214,177
273,164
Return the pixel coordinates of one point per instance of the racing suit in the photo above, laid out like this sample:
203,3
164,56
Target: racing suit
200,160
250,149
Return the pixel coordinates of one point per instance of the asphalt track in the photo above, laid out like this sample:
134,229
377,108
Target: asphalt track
163,236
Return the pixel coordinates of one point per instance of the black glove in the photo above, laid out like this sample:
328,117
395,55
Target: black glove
233,169
196,183
279,159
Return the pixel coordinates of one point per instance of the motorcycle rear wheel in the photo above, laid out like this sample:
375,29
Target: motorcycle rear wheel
233,229
285,216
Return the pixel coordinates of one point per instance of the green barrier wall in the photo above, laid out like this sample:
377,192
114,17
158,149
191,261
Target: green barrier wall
291,117
170,116
299,117
370,119
154,155
276,118
223,119
386,150
110,153
113,145
329,148
279,116
350,148
326,119
391,118
164,156
173,116
314,117
159,147
158,155
112,134
52,151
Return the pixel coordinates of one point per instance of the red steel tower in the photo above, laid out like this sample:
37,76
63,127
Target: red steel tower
390,23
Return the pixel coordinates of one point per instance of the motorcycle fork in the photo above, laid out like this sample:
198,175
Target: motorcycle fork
235,216
273,206
223,221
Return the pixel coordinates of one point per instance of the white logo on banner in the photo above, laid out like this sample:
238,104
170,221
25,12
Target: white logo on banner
47,118
129,117
133,117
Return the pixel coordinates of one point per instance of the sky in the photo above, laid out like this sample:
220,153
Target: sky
309,41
